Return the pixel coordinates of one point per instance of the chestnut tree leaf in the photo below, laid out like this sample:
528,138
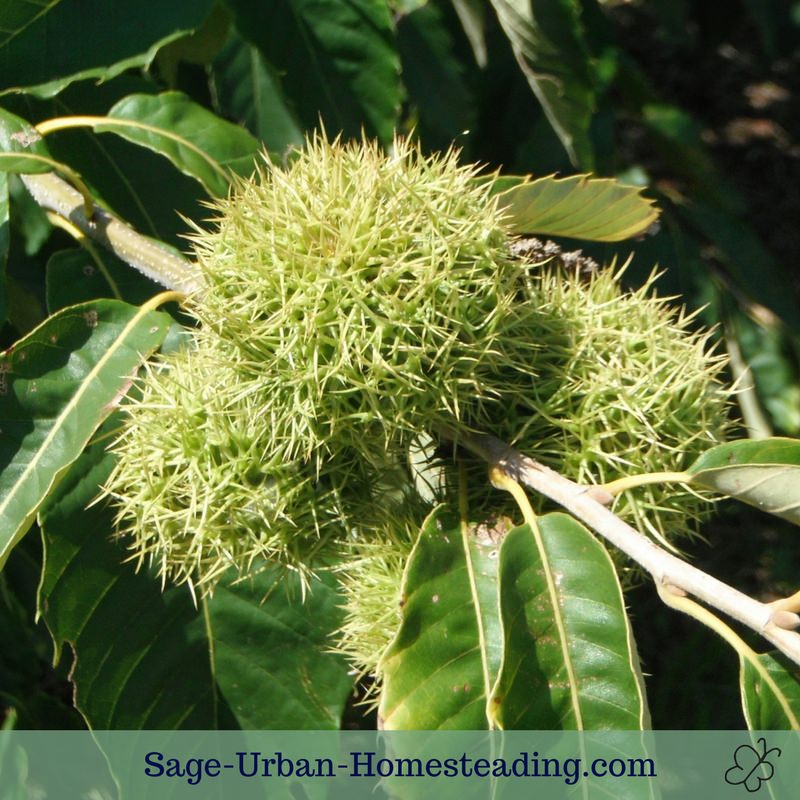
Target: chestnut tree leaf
497,633
138,184
22,148
764,473
569,659
763,709
336,58
579,206
46,45
472,15
433,77
253,656
74,276
57,385
739,246
4,238
548,40
248,91
439,669
198,142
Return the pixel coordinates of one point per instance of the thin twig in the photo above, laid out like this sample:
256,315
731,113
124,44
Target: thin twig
149,257
666,569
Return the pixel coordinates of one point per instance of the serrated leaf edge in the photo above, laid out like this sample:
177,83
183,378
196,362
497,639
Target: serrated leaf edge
581,180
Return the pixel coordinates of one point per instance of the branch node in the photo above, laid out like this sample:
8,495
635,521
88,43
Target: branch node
673,576
673,589
600,495
785,619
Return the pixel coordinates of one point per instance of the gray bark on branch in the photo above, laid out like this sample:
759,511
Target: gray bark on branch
666,569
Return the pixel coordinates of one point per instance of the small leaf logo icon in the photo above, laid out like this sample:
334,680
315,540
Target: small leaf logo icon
750,767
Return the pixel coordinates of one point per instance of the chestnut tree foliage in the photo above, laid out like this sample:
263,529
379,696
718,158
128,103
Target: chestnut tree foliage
331,386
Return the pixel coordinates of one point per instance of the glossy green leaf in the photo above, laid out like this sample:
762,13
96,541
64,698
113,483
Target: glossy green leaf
56,386
439,669
138,184
581,207
763,709
767,354
4,240
272,655
336,58
253,656
74,276
569,662
45,45
441,99
22,149
764,473
196,141
548,41
199,47
678,138
30,221
248,91
472,15
25,311
26,674
403,8
749,261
